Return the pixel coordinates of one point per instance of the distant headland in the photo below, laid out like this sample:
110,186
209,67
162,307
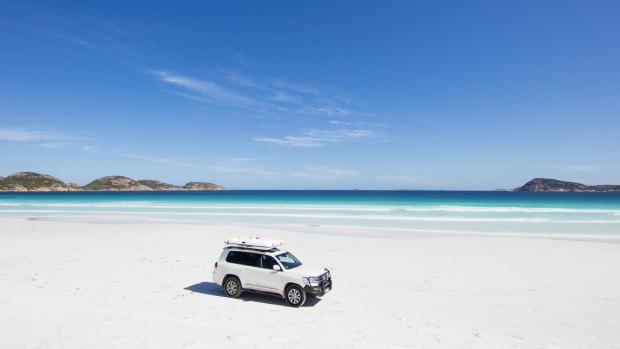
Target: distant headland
31,181
554,185
37,182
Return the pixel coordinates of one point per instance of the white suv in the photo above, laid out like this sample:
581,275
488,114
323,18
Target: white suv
258,265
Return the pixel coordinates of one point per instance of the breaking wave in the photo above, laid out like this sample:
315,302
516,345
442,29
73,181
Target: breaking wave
306,207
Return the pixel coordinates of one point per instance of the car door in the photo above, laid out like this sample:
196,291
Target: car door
250,269
268,279
245,266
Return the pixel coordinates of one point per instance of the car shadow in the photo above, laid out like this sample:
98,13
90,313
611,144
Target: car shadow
213,289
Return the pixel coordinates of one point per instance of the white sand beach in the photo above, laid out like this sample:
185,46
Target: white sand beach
139,285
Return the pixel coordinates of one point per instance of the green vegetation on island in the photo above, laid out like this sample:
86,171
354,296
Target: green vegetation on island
31,181
554,185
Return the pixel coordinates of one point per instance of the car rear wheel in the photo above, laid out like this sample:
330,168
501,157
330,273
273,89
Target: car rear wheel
295,296
232,287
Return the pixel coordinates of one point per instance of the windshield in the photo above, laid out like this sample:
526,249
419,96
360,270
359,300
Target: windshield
288,260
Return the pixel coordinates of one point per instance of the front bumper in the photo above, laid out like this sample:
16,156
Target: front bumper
324,286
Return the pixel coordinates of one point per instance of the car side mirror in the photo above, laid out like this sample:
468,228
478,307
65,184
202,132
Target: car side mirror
276,267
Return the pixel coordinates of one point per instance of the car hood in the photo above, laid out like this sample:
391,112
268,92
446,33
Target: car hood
306,270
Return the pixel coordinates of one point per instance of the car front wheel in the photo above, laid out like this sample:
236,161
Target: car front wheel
295,296
232,287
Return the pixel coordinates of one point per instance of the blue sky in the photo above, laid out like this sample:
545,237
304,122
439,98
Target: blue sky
314,95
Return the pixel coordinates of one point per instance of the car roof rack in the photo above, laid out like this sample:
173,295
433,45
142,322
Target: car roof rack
255,243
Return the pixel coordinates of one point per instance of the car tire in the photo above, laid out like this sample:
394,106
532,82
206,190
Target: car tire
295,296
232,287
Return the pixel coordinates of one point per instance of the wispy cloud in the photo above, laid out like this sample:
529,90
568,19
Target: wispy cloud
207,91
242,59
124,28
75,40
242,159
163,160
93,149
323,173
31,135
319,138
358,123
182,163
340,123
263,96
286,98
280,98
249,170
83,31
53,145
48,139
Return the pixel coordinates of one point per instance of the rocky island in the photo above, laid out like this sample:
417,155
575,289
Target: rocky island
554,185
31,181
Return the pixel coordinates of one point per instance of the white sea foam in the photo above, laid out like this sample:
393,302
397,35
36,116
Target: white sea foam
322,216
212,207
309,207
483,209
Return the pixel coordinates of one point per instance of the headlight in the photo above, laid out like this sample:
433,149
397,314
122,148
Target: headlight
311,281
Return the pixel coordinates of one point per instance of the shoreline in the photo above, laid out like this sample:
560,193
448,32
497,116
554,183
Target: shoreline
320,229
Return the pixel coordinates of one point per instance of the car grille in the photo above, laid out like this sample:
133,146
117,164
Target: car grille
324,279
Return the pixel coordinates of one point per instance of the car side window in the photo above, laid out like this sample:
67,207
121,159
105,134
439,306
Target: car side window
233,257
267,262
251,259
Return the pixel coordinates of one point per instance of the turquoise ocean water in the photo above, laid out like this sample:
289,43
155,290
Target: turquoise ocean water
595,215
